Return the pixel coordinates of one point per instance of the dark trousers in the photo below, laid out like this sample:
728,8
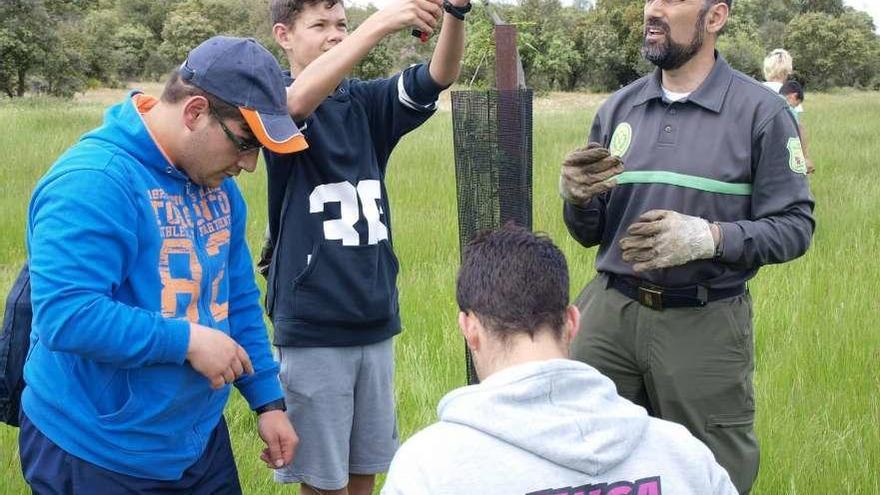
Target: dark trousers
693,366
50,470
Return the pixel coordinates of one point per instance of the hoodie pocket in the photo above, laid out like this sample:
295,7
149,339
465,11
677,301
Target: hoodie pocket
118,402
347,285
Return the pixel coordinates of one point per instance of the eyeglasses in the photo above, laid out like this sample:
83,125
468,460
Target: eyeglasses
243,145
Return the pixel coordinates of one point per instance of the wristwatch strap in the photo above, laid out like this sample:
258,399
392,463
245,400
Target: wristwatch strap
457,12
275,405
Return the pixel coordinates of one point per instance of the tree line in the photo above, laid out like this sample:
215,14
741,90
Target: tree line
60,47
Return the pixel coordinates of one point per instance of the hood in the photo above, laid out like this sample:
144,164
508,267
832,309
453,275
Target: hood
124,129
561,410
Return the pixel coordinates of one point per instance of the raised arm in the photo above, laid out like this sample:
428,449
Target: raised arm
320,78
446,60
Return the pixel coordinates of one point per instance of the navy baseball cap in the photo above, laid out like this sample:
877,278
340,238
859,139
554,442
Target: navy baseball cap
243,73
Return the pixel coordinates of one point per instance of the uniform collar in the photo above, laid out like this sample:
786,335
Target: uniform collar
709,95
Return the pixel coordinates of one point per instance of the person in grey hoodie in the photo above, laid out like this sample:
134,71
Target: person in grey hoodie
540,423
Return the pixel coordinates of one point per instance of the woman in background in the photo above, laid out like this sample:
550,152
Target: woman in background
777,70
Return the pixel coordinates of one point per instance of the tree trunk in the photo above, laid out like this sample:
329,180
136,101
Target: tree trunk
22,72
570,83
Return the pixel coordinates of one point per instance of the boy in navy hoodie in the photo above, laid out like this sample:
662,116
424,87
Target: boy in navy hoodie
145,305
332,291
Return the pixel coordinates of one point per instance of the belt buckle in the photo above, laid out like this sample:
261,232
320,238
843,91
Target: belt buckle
651,297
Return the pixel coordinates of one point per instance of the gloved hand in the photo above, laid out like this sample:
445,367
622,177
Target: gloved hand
585,173
665,238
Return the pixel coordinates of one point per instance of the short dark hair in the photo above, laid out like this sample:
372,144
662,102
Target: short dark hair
177,90
286,11
792,87
514,281
708,3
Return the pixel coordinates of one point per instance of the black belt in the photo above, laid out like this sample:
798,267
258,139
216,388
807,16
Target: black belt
658,298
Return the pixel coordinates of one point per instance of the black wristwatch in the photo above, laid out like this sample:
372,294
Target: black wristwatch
457,12
275,405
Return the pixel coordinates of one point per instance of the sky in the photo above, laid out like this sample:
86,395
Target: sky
870,6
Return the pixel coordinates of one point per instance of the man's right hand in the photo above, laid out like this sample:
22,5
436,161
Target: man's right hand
216,356
587,172
423,15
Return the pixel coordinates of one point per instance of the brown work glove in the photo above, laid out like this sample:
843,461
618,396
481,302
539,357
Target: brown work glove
665,238
587,172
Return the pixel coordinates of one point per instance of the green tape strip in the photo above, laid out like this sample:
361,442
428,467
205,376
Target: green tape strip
684,180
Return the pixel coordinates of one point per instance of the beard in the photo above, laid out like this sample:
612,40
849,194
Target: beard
667,54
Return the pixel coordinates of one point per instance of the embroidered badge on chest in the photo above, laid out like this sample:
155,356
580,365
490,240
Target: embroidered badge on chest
621,139
796,160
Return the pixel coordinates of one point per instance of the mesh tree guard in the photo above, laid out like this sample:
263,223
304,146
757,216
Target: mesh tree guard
492,133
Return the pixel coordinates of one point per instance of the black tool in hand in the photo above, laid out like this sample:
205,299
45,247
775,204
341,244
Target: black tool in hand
422,36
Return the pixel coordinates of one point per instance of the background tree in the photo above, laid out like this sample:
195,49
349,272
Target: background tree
65,10
478,63
383,57
833,51
134,44
833,7
96,43
603,56
626,18
8,73
189,23
63,70
546,31
62,46
147,13
740,43
25,39
761,12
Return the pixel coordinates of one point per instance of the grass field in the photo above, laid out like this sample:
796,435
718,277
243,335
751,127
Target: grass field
817,329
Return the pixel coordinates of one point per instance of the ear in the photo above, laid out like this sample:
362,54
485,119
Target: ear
467,323
283,36
196,109
717,17
572,323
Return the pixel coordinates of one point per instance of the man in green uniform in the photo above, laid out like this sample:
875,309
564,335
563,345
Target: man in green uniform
694,178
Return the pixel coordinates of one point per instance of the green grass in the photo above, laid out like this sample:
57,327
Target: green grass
818,343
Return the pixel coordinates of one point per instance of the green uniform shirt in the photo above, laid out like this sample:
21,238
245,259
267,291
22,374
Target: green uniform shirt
729,153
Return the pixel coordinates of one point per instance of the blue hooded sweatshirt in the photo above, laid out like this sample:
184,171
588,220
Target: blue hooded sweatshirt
124,251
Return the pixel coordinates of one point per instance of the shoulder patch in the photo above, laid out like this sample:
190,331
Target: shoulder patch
796,160
621,139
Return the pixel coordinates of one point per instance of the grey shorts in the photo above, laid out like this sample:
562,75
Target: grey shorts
341,402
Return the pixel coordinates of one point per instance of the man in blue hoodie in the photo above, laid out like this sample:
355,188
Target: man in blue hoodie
145,305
